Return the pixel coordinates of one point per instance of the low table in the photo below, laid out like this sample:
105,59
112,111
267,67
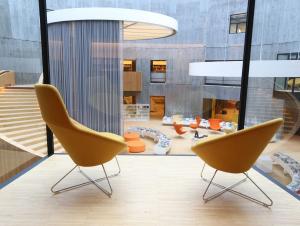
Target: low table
131,136
136,146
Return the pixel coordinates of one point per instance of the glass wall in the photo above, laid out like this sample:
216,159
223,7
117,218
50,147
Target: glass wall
169,92
157,88
275,38
22,131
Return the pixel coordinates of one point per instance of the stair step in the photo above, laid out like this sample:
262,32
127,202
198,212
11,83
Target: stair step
34,134
17,97
10,89
8,111
13,103
19,114
38,146
42,147
13,89
21,122
23,132
20,118
32,141
13,107
22,127
57,149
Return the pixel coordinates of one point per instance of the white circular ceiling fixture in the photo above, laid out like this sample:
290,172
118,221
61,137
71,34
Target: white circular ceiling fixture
137,24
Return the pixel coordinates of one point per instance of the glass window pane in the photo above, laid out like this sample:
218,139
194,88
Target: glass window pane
241,28
294,56
160,90
284,56
158,71
297,86
233,28
268,100
22,130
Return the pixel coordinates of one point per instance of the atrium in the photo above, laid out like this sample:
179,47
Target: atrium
156,112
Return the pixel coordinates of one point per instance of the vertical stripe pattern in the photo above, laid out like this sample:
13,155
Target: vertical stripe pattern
85,59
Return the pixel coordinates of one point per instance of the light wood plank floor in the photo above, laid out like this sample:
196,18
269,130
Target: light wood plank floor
151,190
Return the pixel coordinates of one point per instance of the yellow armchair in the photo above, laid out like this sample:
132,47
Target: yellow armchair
236,153
85,146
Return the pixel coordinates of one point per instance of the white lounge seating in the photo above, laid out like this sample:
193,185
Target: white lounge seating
290,166
163,144
225,126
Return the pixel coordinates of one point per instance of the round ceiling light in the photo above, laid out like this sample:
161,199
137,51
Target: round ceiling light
137,24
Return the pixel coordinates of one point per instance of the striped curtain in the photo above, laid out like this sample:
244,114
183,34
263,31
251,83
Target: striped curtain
85,65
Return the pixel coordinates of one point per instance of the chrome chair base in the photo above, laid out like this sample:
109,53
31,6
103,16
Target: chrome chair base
90,181
230,189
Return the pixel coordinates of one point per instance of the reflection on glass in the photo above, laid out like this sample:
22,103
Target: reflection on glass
277,97
22,131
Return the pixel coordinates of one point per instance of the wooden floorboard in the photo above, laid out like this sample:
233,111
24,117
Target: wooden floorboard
151,190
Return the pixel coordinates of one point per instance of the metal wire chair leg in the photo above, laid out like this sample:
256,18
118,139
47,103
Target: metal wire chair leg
85,183
256,200
67,188
224,189
202,170
229,189
203,197
218,185
108,193
119,168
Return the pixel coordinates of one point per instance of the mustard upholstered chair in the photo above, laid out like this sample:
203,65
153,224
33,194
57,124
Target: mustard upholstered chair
236,153
85,146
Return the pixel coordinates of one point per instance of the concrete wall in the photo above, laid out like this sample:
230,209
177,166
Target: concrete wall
203,35
20,48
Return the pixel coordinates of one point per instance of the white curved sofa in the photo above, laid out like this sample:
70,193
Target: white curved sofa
290,166
163,143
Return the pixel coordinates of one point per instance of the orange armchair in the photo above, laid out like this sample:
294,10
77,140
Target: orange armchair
86,147
179,128
196,124
215,123
235,153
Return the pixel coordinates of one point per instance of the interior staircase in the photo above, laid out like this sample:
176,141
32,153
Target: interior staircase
291,112
21,121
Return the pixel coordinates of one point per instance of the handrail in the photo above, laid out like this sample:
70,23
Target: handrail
7,78
3,71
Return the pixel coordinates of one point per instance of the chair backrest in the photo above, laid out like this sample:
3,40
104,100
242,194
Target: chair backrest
178,127
85,146
237,152
52,107
198,119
